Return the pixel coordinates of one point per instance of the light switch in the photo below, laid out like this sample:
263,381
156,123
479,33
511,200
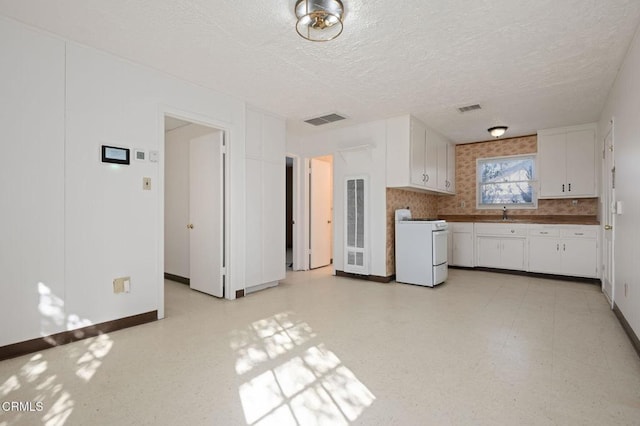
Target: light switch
146,183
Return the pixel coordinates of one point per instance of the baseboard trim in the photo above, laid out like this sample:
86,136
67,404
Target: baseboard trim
259,287
375,278
36,345
635,341
533,274
177,278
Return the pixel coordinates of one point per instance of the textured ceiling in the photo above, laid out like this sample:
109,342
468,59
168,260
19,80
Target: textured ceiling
530,64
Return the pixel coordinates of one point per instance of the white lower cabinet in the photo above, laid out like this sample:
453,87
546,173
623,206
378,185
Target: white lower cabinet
501,245
503,253
461,244
570,250
564,250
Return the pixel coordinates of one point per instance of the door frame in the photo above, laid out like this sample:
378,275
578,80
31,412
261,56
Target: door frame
297,236
608,198
194,118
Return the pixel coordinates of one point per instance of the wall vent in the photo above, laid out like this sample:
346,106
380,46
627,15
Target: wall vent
325,119
469,108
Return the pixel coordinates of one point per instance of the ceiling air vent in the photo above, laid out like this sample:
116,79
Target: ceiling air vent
325,119
469,108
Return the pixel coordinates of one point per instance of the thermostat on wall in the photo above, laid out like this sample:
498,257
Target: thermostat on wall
114,154
140,154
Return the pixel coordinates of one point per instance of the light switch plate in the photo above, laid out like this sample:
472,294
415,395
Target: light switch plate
154,156
146,183
122,285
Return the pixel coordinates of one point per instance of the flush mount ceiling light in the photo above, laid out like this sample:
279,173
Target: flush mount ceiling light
497,131
319,20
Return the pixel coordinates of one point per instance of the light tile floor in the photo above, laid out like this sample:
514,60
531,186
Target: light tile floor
482,349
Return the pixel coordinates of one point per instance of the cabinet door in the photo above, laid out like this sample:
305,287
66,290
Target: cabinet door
579,257
442,167
431,160
462,249
254,223
512,256
451,168
450,247
552,165
580,163
418,153
489,252
544,255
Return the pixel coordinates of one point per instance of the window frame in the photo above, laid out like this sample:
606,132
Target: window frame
511,206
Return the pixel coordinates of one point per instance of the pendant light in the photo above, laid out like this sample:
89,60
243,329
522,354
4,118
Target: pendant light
319,20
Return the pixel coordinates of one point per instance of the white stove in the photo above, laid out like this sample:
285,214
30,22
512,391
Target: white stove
421,250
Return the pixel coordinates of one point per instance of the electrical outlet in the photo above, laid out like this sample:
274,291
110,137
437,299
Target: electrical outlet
462,204
146,183
122,285
574,202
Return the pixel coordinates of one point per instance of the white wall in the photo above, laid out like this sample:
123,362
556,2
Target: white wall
32,183
72,222
368,161
623,105
176,197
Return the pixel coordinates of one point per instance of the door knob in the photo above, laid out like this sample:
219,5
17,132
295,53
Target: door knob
608,227
190,226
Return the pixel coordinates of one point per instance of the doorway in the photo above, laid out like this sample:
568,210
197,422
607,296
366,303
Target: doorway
320,211
194,205
289,211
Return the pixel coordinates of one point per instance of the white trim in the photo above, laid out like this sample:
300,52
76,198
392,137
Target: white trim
166,110
297,236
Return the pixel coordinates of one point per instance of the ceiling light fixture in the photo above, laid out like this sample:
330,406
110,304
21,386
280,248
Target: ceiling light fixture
497,131
319,20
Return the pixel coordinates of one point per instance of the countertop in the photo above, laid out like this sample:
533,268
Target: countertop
537,219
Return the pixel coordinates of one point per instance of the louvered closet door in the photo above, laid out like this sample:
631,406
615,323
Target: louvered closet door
356,256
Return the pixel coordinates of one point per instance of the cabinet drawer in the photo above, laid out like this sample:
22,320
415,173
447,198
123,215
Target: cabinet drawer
500,229
580,233
460,226
544,232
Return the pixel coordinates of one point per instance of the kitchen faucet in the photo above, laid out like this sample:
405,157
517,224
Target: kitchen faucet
504,213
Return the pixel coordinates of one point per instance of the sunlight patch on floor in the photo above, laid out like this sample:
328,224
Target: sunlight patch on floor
308,385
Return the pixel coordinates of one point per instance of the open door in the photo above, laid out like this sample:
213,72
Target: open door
608,211
206,206
321,206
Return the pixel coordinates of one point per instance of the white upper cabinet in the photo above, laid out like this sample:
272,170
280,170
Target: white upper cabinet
418,157
446,165
567,162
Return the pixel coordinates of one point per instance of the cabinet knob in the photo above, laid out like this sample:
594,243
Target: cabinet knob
427,177
608,227
190,226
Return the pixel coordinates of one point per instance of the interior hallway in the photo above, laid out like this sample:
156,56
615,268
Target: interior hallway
483,348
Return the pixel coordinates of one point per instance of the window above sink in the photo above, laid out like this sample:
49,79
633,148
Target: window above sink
506,182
